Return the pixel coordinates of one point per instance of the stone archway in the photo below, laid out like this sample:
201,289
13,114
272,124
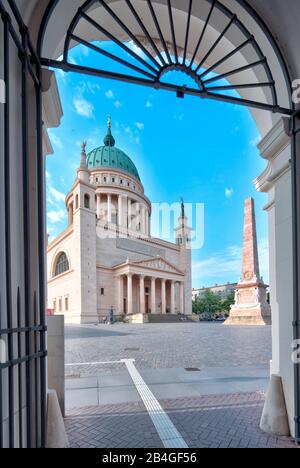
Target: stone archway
275,148
275,145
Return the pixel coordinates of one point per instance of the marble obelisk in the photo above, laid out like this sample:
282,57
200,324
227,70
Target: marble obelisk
251,306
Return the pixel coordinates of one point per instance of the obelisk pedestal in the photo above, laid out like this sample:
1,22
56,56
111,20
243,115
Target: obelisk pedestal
251,306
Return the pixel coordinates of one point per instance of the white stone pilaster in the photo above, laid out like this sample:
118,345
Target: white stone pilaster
98,205
172,297
142,294
121,294
181,286
109,211
163,297
129,213
147,222
129,293
120,211
153,295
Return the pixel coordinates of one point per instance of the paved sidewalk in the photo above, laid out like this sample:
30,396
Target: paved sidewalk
166,384
229,421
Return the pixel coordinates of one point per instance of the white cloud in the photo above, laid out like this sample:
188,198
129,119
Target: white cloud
135,49
229,192
254,142
178,117
140,125
62,75
55,140
226,265
87,87
118,104
83,107
56,216
109,94
58,196
263,253
149,104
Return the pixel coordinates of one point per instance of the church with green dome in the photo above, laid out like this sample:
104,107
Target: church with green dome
106,260
109,156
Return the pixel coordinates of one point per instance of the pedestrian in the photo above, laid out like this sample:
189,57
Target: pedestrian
111,316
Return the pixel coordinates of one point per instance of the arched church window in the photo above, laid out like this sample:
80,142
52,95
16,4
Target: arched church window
62,264
76,202
87,201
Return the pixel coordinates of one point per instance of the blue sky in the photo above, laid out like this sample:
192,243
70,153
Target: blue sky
202,150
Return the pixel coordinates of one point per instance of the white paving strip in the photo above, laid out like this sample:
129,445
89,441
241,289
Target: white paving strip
166,430
77,364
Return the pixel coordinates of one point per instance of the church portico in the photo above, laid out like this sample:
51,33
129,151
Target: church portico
148,291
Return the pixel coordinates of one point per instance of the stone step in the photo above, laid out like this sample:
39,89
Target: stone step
167,318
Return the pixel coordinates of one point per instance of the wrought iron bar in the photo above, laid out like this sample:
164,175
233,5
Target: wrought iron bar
160,85
187,30
127,30
111,56
226,57
162,39
119,43
234,72
146,32
213,47
171,20
203,32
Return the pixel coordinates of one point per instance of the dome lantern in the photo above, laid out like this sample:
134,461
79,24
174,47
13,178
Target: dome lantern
109,139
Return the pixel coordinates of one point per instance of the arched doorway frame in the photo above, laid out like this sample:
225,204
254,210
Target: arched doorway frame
27,51
165,58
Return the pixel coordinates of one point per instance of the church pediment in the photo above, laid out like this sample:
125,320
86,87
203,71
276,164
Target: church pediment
159,264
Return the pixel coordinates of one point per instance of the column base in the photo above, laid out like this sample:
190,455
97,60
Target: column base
256,315
136,318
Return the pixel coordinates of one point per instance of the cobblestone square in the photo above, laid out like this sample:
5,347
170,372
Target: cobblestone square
154,346
209,380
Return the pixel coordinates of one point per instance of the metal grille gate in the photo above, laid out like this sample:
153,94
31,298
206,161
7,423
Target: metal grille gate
22,295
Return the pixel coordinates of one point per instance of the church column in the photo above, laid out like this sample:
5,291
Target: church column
153,295
129,293
98,205
121,294
129,212
163,297
142,294
143,219
147,222
120,210
181,285
109,209
172,297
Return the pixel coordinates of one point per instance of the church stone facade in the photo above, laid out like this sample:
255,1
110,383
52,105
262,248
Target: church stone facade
106,257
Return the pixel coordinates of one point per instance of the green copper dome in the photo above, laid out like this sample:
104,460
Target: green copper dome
110,157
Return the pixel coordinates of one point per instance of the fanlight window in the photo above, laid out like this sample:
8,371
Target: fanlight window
62,264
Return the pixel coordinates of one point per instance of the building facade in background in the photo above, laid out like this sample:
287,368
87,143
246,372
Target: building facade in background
106,258
222,290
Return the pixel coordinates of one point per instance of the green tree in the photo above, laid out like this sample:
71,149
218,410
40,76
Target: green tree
227,303
209,303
